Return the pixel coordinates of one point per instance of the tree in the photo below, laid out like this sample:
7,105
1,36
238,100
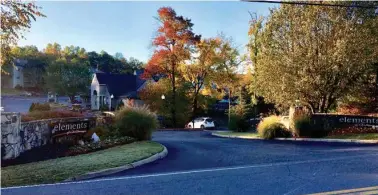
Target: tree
173,45
226,78
53,50
199,71
36,64
151,95
67,78
315,54
16,17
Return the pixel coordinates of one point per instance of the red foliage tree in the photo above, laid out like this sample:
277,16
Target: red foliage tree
173,45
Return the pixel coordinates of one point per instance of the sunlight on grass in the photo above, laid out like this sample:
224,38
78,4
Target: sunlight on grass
59,169
10,91
367,136
242,134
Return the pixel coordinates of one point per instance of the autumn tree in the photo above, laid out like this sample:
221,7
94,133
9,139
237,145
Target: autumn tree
198,72
16,18
315,54
173,45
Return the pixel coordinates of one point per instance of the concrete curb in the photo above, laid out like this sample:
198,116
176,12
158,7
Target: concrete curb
110,171
233,136
305,139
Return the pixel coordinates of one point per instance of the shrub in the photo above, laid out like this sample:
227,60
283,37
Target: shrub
302,125
120,105
238,123
39,107
136,122
39,115
18,87
271,127
104,107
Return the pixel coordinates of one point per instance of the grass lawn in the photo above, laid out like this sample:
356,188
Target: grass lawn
367,136
243,134
11,91
60,169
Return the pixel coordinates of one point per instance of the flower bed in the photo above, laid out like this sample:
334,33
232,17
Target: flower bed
104,144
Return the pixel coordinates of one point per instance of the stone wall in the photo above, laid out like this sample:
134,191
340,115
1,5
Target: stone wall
18,137
10,135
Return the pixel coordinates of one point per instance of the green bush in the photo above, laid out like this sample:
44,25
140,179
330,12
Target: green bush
104,107
120,105
39,107
271,127
238,123
136,122
302,125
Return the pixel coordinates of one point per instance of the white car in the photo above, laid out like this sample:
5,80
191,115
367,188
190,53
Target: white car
202,122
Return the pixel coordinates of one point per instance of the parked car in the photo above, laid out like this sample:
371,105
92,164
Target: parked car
77,100
25,93
202,122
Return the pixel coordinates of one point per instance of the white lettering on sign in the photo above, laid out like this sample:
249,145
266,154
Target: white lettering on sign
69,127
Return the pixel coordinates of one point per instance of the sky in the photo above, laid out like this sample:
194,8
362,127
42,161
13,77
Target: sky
129,27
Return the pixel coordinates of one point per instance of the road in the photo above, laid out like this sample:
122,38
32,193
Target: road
198,163
22,104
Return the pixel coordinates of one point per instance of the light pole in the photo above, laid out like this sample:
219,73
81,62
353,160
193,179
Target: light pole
111,97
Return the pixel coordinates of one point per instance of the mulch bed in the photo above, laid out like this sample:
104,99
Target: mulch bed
52,151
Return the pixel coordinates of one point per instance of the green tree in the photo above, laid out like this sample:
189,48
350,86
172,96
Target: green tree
68,79
315,54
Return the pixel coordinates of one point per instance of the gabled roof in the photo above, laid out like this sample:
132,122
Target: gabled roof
120,84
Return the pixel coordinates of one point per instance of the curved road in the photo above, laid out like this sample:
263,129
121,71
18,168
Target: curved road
198,163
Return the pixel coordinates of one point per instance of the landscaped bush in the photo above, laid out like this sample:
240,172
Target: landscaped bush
39,115
238,123
271,127
136,122
120,105
39,107
302,126
104,107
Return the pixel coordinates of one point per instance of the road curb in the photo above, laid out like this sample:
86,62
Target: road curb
233,136
110,171
304,139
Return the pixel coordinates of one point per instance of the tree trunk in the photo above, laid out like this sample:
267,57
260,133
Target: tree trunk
229,106
173,107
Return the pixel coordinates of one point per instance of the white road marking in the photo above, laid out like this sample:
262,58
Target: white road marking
196,171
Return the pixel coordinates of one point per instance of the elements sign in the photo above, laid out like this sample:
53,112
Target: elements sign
65,128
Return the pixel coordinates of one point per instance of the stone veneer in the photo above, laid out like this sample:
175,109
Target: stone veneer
18,137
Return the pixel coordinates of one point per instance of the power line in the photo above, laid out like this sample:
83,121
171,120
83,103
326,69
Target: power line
311,3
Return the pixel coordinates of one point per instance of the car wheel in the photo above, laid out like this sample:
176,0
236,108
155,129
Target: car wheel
190,126
202,127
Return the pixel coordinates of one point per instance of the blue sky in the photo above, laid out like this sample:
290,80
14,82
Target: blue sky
129,27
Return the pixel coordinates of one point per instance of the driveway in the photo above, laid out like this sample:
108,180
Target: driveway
198,163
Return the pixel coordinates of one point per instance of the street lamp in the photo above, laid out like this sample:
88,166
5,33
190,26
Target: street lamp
111,97
163,97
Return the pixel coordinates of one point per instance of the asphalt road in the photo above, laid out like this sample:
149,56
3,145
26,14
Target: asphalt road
198,163
22,104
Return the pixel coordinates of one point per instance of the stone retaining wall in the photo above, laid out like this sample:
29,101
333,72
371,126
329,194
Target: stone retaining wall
18,137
